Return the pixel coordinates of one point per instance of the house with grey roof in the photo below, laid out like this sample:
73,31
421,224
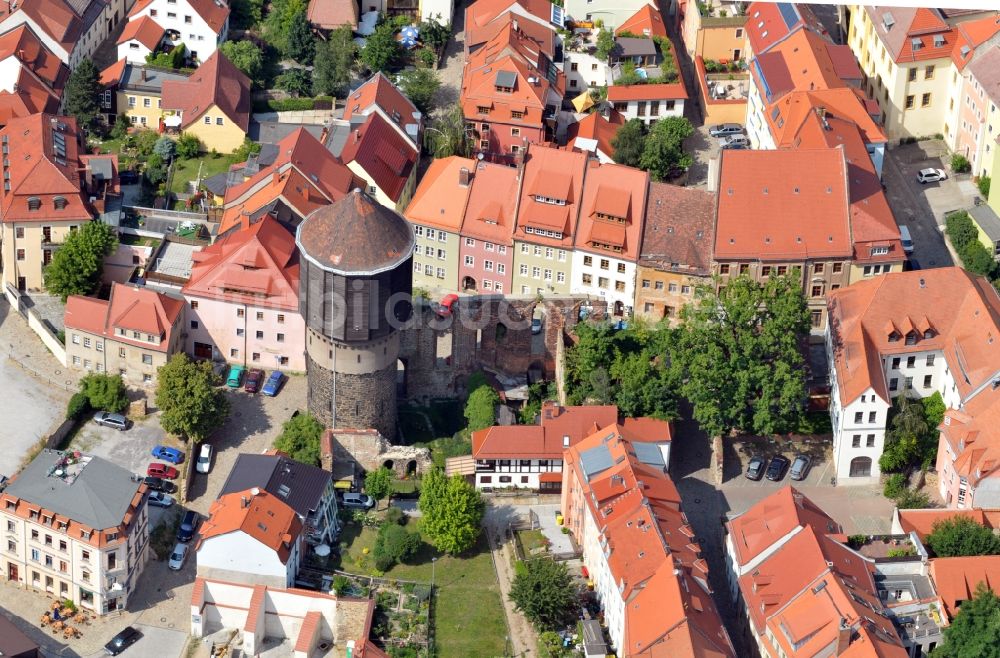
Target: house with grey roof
77,528
307,489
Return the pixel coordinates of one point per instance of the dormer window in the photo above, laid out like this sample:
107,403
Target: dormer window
911,338
59,202
916,44
879,251
610,218
894,336
34,203
929,333
546,199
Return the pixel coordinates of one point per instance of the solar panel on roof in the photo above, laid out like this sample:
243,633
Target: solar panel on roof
789,14
595,460
506,79
649,453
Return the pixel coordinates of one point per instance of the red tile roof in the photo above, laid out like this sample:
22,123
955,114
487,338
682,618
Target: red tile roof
131,309
385,156
758,190
265,519
598,129
757,529
46,167
612,190
214,13
543,36
145,30
651,551
441,197
766,25
921,521
216,82
113,74
23,43
512,52
970,36
913,24
956,578
556,174
30,95
379,92
331,14
547,439
645,22
481,14
673,90
489,213
680,229
257,264
56,18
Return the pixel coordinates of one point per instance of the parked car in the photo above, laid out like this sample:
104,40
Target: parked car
444,308
122,641
189,526
905,239
108,419
158,470
800,468
168,454
254,379
734,142
723,129
755,469
931,175
159,484
536,325
178,556
160,499
204,463
358,501
273,383
776,469
235,376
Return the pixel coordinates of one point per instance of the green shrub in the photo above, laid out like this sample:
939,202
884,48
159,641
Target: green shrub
394,545
977,259
984,186
105,392
960,164
78,405
960,229
895,485
395,515
911,499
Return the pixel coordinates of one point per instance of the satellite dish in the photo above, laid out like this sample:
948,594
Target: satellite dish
322,550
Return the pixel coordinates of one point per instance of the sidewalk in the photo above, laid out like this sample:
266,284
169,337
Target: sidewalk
523,641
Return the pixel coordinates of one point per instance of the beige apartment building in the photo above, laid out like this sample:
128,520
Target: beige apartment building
75,527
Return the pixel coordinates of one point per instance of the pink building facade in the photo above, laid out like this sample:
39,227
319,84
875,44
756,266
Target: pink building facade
253,336
971,115
485,267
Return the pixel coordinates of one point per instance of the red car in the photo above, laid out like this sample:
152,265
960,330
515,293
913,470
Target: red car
254,379
159,470
444,308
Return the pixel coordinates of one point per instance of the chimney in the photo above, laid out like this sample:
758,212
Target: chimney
844,633
244,502
514,24
143,73
357,135
463,177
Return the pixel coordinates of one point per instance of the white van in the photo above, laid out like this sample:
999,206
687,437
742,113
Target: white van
904,235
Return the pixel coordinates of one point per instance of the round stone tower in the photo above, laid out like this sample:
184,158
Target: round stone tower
354,293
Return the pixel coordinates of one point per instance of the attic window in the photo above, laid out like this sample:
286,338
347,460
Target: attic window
34,203
916,43
929,333
938,40
965,51
262,527
888,21
893,336
283,490
59,202
911,337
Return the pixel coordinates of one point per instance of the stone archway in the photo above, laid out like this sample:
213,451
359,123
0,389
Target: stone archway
861,467
468,284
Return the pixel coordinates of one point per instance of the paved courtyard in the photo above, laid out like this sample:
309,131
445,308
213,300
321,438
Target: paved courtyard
31,406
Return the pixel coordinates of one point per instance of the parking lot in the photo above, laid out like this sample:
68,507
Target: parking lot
922,207
739,454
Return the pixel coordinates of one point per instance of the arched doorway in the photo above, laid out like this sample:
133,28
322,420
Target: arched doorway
411,468
861,467
619,309
388,464
468,284
401,378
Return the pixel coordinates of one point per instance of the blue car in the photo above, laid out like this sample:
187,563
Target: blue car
168,454
273,383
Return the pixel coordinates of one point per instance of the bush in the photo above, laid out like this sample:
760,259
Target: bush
960,229
984,186
960,164
895,485
395,515
188,146
977,259
911,499
290,104
105,392
394,545
78,405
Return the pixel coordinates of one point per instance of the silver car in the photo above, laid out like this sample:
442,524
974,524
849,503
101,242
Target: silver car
723,129
734,142
178,556
931,175
109,419
800,468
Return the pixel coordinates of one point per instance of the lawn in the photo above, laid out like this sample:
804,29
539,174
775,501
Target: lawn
187,170
138,240
468,615
531,541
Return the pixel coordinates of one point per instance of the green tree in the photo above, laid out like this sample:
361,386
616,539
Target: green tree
246,14
156,169
434,34
550,645
78,405
300,438
452,511
378,483
333,62
975,631
739,356
960,229
246,56
961,536
420,85
190,404
381,49
545,593
171,59
977,259
984,186
605,44
165,147
105,392
83,89
301,42
446,136
143,140
279,20
298,82
77,266
245,150
480,408
120,128
188,146
663,152
629,143
934,408
393,545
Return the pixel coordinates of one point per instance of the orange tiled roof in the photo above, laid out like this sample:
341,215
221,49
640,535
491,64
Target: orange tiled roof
23,43
257,264
645,22
769,22
216,82
758,190
56,18
265,518
679,230
918,25
30,95
545,440
378,91
650,549
480,17
212,12
921,521
956,578
145,30
970,35
489,213
440,199
129,308
616,191
385,156
597,128
556,174
665,91
331,14
112,75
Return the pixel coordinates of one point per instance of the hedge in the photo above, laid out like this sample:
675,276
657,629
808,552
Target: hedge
964,236
293,104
